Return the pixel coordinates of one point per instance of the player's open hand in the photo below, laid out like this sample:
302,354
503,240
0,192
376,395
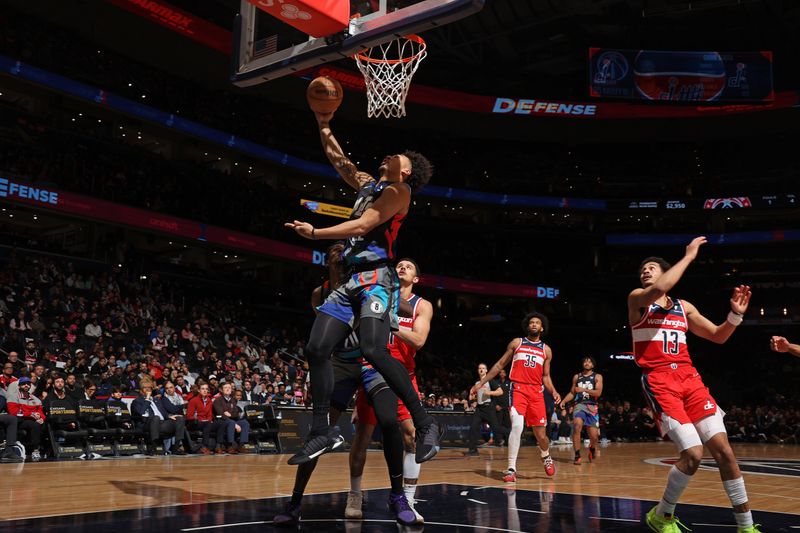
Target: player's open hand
740,299
779,344
304,229
557,398
694,247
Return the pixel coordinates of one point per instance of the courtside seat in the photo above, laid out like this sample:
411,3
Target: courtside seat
264,427
92,417
127,439
67,438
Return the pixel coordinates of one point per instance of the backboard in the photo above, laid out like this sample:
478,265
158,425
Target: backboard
264,48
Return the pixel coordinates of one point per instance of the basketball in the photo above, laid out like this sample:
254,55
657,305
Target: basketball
324,94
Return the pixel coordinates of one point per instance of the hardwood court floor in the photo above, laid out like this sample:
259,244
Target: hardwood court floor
772,474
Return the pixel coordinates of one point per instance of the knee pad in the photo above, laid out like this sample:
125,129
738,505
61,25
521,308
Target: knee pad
684,436
517,420
711,425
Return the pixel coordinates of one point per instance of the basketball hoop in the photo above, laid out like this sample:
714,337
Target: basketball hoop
388,69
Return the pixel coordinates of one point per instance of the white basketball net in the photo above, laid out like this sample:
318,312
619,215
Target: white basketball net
388,69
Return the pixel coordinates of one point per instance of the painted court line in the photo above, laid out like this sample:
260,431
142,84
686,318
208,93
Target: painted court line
220,526
615,519
477,501
340,520
527,510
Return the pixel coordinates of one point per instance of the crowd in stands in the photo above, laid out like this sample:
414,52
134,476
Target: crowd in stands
81,331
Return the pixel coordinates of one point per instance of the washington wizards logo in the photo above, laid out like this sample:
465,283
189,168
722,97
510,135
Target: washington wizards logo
727,203
765,466
611,67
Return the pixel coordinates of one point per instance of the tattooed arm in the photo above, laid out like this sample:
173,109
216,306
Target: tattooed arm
346,168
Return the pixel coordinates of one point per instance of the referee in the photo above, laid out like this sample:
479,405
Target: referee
485,412
501,402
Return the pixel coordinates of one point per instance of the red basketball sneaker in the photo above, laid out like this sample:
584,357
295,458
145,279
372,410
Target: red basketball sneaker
510,477
549,466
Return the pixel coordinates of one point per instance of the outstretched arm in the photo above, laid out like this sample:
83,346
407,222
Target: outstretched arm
498,366
703,327
641,298
780,344
346,168
394,199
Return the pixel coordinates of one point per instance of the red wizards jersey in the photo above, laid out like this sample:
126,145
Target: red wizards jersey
527,363
397,347
659,338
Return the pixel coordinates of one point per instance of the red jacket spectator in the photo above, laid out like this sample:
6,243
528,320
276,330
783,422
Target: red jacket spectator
200,409
24,402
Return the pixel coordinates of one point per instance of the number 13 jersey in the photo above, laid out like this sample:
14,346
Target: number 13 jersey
659,338
527,362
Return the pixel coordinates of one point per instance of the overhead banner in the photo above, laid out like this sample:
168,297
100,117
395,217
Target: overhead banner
703,76
488,287
103,98
19,191
529,107
766,201
180,21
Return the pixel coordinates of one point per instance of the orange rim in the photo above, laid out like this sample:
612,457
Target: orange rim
413,37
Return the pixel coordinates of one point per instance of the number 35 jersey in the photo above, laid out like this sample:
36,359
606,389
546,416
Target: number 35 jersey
527,362
659,338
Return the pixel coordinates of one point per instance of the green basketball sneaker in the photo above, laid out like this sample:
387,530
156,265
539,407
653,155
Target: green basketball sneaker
662,524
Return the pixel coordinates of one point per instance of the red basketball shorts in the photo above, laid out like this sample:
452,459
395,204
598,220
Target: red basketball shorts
528,401
678,393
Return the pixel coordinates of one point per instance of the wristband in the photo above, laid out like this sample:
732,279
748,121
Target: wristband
734,319
313,238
